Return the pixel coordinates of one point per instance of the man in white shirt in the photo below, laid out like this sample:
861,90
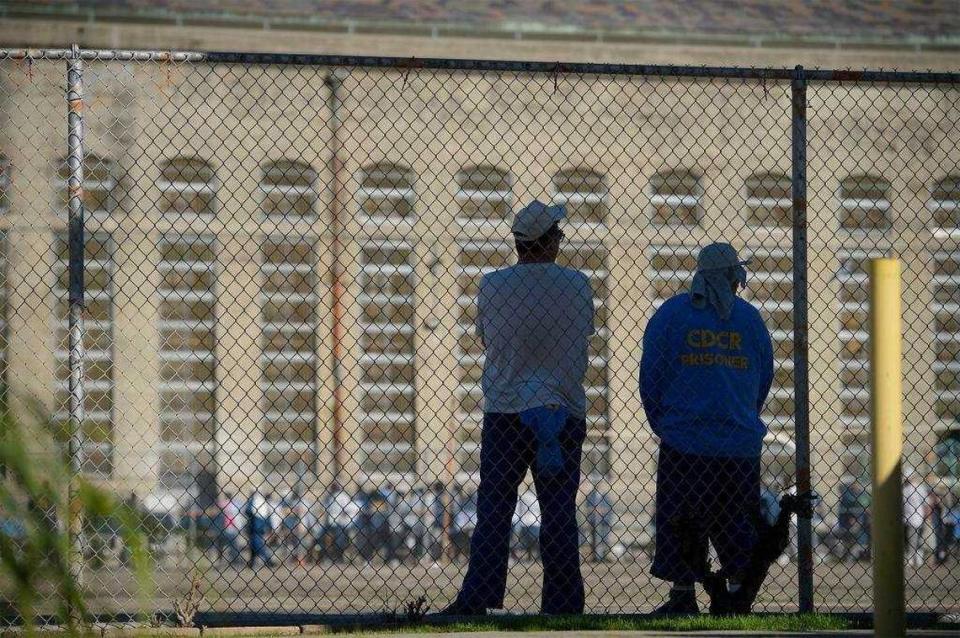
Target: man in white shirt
535,320
915,492
437,520
342,513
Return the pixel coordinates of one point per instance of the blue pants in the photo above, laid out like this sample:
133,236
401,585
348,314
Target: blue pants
507,449
258,541
600,539
703,499
228,543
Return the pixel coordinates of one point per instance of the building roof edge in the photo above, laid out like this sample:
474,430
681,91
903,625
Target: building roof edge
511,30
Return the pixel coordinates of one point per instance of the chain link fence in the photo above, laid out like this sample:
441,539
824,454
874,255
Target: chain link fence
281,258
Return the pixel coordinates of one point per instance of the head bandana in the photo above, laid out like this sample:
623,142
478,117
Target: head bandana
718,268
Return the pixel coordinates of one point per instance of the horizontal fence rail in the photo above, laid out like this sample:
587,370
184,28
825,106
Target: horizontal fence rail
245,290
454,64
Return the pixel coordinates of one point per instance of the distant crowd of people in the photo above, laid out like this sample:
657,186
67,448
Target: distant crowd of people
706,369
931,523
389,523
393,524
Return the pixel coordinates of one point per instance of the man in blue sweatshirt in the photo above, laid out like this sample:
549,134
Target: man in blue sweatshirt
706,369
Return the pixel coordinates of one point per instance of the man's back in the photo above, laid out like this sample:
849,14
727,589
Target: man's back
704,379
535,321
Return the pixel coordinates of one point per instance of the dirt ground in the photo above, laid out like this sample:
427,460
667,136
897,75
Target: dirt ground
623,586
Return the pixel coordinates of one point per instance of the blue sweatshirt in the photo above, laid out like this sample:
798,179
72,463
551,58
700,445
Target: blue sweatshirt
703,380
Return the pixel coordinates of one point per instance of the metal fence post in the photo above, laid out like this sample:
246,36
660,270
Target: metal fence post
333,81
886,398
801,376
75,288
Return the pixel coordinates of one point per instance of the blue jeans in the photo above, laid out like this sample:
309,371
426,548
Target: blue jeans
507,449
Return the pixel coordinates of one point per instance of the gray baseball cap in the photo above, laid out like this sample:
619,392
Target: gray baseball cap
719,256
535,219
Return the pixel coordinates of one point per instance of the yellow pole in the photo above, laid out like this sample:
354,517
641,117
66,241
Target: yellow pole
885,397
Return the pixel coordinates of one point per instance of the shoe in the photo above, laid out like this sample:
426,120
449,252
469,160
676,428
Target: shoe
458,608
682,602
739,603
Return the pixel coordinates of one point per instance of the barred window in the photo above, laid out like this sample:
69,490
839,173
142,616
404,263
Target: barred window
288,319
675,198
944,203
671,270
864,203
189,188
97,427
288,191
476,258
485,193
99,183
388,362
5,179
945,307
584,192
770,289
386,192
288,360
187,327
854,278
769,198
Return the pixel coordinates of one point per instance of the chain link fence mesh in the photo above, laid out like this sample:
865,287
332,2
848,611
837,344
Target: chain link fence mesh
882,174
281,270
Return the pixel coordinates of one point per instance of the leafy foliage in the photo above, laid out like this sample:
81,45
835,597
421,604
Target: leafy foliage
41,501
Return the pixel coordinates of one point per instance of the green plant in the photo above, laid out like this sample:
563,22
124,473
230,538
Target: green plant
413,611
41,501
186,608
